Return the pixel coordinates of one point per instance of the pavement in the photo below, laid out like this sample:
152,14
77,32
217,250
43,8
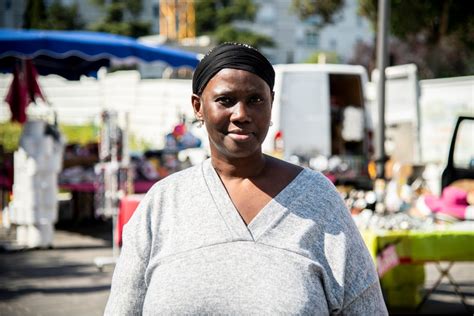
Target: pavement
60,281
64,280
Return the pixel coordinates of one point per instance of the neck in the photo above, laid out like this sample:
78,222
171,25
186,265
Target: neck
249,167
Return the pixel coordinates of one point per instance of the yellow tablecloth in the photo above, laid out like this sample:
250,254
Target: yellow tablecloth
423,246
403,285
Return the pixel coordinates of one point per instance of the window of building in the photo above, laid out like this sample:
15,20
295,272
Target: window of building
266,13
311,38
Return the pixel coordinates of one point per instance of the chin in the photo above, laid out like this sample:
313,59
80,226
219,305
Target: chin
238,151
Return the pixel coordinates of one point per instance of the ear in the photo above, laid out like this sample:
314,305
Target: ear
273,97
197,107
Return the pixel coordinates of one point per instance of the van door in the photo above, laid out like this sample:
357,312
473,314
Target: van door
461,153
402,112
304,114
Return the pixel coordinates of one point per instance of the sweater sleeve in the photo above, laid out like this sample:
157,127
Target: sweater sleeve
362,293
128,283
369,302
351,264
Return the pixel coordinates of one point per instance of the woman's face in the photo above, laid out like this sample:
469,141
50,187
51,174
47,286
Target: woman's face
236,108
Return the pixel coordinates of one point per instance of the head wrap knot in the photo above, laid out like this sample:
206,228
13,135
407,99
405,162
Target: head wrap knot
235,56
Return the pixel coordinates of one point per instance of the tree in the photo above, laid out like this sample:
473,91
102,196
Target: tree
438,35
122,18
320,12
61,17
56,17
35,15
217,17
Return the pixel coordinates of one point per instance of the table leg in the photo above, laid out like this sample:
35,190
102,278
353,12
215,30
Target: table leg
444,272
456,288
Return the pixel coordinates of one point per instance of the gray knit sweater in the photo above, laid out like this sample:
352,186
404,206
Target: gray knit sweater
186,250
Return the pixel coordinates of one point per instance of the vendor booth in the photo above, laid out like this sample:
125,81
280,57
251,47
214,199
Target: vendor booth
71,54
400,257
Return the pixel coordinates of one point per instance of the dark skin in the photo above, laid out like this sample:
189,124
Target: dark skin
236,107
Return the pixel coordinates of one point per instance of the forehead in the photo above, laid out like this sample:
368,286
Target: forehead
236,79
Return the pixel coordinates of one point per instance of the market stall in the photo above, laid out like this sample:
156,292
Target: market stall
70,54
400,257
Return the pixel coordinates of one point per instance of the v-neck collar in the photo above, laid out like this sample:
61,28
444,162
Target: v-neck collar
271,212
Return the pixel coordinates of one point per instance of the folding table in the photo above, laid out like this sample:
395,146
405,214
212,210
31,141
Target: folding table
420,247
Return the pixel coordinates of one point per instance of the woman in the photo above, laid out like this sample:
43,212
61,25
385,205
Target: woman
243,233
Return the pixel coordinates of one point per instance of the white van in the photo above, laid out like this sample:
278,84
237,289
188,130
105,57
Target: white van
319,111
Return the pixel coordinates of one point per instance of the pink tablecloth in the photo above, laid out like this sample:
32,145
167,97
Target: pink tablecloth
138,186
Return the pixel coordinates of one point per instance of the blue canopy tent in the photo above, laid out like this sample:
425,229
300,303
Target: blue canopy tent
71,54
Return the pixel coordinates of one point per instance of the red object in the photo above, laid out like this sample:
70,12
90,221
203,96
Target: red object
128,205
179,130
331,177
23,90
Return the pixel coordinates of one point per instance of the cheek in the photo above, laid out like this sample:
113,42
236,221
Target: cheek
214,116
265,114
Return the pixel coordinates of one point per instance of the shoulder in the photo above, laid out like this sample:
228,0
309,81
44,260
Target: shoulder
317,188
171,189
165,194
314,197
303,176
178,179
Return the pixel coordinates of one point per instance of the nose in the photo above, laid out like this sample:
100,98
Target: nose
240,113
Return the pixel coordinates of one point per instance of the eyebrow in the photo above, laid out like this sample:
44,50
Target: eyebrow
226,90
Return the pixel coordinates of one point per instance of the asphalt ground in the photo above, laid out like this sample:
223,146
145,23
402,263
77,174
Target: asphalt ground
64,280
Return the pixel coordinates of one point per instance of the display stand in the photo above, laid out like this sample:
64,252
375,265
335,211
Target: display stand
110,171
113,180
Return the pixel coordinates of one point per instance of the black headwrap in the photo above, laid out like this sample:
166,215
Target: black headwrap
236,56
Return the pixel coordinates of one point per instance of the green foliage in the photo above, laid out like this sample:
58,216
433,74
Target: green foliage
322,12
229,11
228,33
80,134
90,133
117,19
56,17
138,144
9,136
206,19
134,7
215,17
35,15
331,57
433,19
62,17
438,35
10,133
216,13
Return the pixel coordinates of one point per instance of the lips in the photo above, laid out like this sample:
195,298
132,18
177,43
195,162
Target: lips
240,135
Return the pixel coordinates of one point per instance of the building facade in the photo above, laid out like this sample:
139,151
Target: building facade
295,40
11,12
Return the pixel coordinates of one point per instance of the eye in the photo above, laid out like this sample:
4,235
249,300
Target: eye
256,99
225,101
